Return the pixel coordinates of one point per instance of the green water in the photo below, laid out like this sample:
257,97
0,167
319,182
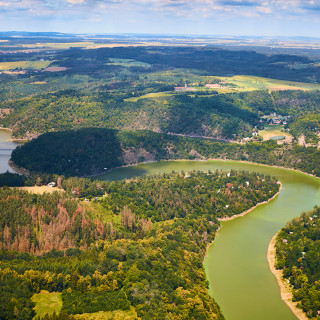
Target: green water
236,266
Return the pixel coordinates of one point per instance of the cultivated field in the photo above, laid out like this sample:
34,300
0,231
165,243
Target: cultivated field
59,45
24,65
251,83
41,189
150,95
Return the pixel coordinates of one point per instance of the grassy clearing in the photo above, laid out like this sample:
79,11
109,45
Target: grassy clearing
47,303
24,65
41,189
97,211
150,95
251,83
55,69
109,315
273,131
129,63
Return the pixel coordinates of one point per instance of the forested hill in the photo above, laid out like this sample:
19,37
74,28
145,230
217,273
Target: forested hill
229,116
92,151
138,250
297,254
215,116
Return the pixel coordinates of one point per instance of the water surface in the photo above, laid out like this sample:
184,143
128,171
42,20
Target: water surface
6,148
236,266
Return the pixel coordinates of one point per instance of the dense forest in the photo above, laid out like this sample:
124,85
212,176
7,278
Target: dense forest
216,116
141,245
136,247
87,152
229,116
297,254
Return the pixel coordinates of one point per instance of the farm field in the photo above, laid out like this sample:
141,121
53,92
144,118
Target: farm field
41,189
24,65
150,95
60,45
47,303
273,131
251,83
242,83
128,63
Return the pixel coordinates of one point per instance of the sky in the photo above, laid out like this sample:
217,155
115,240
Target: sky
174,17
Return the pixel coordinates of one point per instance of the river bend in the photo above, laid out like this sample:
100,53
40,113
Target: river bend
236,266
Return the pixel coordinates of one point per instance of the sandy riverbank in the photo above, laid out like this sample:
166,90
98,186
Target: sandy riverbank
249,210
285,292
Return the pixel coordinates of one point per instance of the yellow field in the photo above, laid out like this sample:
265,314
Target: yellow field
85,45
273,131
251,83
59,45
40,190
47,303
24,65
150,95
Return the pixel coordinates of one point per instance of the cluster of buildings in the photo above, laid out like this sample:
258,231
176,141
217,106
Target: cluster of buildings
275,119
185,88
208,85
216,85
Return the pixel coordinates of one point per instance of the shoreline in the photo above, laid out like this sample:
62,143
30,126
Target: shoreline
251,209
13,139
6,129
237,216
18,169
285,292
209,245
13,166
203,160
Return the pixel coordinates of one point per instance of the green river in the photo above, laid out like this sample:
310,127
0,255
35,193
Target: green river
236,266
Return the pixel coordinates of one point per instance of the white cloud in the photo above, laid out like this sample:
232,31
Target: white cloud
76,1
264,9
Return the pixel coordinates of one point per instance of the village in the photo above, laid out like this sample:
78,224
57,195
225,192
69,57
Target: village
196,87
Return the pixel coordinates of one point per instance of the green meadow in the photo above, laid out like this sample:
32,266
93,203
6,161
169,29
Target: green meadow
273,131
47,303
23,65
129,63
251,83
